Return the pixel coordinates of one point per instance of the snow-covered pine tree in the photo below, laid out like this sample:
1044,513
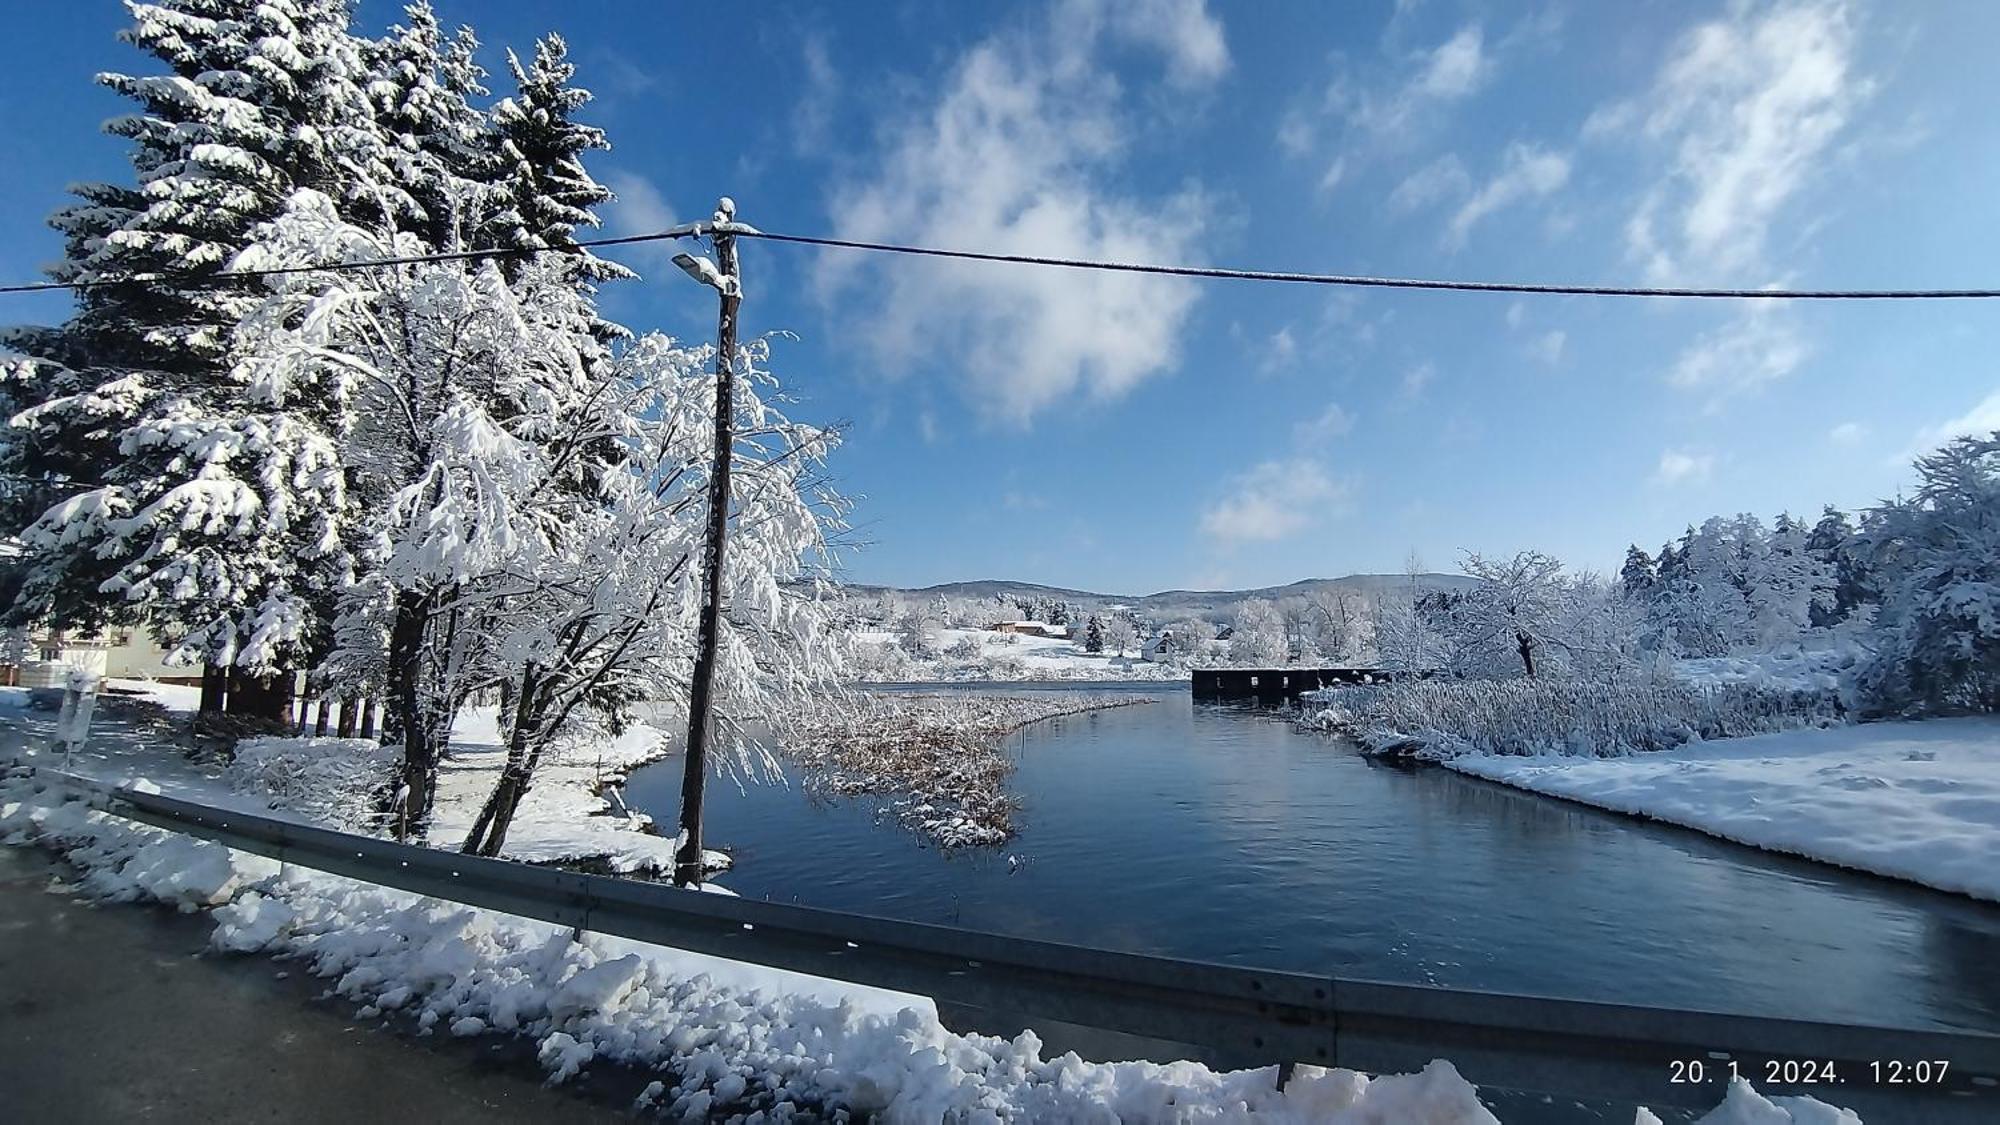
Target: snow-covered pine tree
1788,584
196,508
1639,575
422,88
1832,541
1093,634
1936,560
549,194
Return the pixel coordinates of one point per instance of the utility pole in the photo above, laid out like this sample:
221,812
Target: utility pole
727,282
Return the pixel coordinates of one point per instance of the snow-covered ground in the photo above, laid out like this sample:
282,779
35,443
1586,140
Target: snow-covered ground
983,654
564,816
1911,800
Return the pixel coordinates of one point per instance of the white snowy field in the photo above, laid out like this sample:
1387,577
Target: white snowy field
1910,800
983,654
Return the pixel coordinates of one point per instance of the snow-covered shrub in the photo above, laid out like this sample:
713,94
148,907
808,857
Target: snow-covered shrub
1435,719
880,662
331,780
965,648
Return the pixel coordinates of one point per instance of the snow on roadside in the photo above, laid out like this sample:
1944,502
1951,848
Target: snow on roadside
1910,800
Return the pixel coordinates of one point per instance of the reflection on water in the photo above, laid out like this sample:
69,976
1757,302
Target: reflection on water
1228,835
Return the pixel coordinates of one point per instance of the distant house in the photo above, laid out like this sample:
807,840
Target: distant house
44,658
1226,632
1033,629
1158,650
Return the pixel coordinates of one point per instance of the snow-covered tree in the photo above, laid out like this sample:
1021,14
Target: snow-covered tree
1517,615
549,193
1936,560
1788,584
1093,634
1639,575
183,501
1258,638
1833,542
1121,635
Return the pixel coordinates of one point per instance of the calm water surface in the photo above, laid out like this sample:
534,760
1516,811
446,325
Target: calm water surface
1229,835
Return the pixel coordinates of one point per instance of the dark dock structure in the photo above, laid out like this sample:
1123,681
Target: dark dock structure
1276,685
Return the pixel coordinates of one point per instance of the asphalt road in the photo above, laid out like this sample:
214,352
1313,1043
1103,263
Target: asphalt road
116,1013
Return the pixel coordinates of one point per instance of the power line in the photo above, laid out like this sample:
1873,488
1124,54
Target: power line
1360,281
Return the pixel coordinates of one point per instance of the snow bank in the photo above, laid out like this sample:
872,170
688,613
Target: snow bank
1442,719
1911,800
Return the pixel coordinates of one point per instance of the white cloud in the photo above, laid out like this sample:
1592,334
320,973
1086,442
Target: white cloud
1280,351
1678,466
639,209
1980,421
1847,433
1275,500
1196,50
1548,347
1017,501
1743,110
1456,68
1014,155
1416,380
1334,173
1433,183
1759,345
1516,312
812,115
1327,425
1526,171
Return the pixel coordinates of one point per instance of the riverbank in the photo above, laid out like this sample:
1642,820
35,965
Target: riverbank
1910,800
722,1037
937,757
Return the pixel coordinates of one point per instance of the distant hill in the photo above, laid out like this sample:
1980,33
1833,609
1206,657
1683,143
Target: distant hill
1175,603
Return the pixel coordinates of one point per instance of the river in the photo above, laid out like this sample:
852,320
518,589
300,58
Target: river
1228,834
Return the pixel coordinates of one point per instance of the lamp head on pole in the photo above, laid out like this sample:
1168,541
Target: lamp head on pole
701,269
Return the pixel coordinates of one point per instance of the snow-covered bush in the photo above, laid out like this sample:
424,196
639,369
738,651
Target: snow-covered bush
1436,719
331,780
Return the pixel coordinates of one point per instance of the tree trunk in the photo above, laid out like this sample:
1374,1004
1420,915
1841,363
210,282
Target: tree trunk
489,832
406,719
1526,644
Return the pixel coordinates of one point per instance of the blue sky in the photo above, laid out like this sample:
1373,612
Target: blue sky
1129,434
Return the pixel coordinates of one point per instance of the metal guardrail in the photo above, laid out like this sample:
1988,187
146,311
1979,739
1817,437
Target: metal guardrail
1234,1016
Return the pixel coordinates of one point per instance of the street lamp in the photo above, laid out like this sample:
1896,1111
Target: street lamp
725,281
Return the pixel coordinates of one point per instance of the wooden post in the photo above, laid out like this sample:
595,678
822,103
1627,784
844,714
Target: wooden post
214,689
368,718
344,726
325,714
687,857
